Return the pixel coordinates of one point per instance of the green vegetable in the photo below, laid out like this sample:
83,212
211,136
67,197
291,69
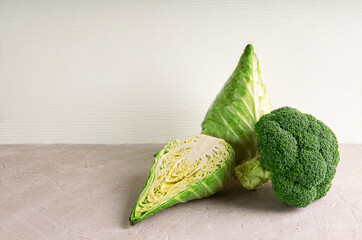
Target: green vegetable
193,168
300,152
238,106
233,114
251,175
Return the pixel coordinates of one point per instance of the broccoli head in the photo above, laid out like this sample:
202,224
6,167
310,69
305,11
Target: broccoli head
300,152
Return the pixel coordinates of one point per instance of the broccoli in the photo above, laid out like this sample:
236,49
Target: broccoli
300,153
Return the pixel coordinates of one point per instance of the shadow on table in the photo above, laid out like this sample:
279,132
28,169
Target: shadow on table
262,199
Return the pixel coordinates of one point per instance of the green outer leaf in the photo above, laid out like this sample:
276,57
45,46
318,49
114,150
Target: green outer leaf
238,106
210,184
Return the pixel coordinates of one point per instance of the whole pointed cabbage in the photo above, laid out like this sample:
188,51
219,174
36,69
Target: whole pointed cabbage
232,116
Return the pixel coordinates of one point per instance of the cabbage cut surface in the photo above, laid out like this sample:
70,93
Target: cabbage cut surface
183,170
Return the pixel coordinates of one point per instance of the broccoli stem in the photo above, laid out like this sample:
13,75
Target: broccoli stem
251,175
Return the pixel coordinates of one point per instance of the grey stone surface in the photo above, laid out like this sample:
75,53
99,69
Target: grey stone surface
88,191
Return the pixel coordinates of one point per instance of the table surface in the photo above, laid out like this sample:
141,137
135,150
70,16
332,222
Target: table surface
88,191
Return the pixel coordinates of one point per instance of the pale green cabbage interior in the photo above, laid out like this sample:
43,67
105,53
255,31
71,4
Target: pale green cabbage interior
179,165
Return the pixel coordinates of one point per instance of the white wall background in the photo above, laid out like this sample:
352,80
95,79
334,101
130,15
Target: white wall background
146,71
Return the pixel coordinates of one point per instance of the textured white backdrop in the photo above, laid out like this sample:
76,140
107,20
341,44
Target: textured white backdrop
146,71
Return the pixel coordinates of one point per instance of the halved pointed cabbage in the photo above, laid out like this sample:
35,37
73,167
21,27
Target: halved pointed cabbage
183,170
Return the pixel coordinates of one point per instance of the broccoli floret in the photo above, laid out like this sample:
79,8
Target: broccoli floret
300,152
